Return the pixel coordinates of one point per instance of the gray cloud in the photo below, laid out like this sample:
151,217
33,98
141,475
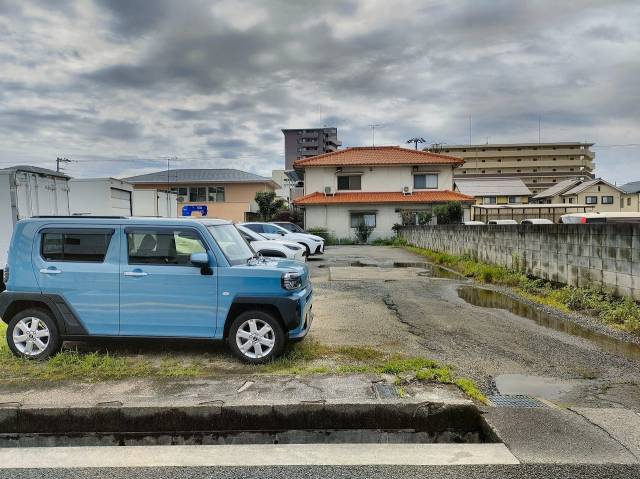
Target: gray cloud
214,82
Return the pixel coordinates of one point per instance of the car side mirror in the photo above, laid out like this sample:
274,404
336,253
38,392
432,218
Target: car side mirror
199,259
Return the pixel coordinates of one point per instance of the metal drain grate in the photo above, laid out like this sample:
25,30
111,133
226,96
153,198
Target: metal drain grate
516,400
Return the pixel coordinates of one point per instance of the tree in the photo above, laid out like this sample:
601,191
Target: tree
268,205
448,213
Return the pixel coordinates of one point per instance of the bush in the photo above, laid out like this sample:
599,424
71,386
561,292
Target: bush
329,239
363,231
448,213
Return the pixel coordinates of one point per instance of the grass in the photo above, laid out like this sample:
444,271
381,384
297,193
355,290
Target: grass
621,313
308,357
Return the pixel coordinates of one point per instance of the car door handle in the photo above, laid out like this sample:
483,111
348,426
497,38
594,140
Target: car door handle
135,274
50,271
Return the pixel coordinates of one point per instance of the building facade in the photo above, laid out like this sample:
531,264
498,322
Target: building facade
308,142
375,185
538,165
494,191
598,193
632,192
216,193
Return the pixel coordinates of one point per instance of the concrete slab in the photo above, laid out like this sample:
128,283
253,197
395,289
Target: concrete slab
372,273
257,455
258,389
621,424
555,436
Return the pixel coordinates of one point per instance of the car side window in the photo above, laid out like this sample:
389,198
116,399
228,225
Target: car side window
270,229
83,246
256,228
163,247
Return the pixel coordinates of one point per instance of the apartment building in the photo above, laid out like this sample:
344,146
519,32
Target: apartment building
538,165
375,185
308,142
218,193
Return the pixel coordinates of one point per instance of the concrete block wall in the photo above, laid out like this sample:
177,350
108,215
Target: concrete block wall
599,255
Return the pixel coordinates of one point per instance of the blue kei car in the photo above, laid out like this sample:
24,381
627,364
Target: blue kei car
77,278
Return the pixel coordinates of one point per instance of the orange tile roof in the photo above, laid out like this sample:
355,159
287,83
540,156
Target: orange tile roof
383,197
378,155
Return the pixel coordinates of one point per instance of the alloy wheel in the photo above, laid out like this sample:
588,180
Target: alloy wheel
255,338
31,336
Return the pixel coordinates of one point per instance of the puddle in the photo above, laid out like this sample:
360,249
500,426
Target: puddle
493,299
539,386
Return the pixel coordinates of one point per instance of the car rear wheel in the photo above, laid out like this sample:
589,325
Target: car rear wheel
256,337
33,334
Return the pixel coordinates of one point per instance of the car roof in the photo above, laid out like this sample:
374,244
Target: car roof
124,220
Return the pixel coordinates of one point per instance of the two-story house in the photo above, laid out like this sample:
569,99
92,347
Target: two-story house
375,185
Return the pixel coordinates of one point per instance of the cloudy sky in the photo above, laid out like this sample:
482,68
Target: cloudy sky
120,85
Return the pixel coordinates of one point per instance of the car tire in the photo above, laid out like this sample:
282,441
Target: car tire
33,334
307,250
248,345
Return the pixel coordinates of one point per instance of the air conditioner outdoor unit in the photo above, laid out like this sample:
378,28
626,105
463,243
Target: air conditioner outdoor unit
327,191
406,190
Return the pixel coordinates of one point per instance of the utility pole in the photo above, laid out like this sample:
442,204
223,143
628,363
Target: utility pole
61,160
416,140
373,133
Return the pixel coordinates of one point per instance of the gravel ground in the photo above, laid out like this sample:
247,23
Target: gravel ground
523,471
423,315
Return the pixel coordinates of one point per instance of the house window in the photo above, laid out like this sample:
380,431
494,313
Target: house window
197,194
607,200
591,200
571,200
514,199
423,182
351,182
181,192
489,200
628,201
216,194
368,219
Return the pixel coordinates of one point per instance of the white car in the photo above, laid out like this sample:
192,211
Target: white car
272,248
312,244
536,221
502,222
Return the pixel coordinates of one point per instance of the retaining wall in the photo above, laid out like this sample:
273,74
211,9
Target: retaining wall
601,255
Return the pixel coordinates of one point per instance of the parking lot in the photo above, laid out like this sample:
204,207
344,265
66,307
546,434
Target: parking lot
390,301
383,297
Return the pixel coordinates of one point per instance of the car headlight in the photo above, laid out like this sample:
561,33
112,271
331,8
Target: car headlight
291,280
293,247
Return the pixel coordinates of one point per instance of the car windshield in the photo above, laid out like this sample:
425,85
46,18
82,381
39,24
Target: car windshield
233,245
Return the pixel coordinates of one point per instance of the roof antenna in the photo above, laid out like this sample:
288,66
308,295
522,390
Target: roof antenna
373,133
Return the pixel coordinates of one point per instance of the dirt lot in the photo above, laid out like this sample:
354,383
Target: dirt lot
384,301
407,310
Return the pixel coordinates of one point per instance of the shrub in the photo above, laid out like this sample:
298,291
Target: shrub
363,231
448,213
329,239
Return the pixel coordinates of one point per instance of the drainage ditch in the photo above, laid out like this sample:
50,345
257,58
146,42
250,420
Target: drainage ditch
219,425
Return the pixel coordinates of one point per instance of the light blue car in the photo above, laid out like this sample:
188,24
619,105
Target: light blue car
76,278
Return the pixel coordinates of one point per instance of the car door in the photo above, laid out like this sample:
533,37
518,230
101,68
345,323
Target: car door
81,264
272,232
161,292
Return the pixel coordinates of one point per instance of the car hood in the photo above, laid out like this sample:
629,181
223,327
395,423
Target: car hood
277,266
303,236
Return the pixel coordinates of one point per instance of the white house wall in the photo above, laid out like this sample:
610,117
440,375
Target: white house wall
377,178
337,218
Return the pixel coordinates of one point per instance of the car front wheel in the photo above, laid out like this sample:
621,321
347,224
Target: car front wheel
33,334
256,337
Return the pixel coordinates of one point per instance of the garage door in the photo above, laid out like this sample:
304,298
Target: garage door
121,202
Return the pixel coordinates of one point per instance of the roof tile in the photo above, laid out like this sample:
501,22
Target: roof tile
383,197
377,155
